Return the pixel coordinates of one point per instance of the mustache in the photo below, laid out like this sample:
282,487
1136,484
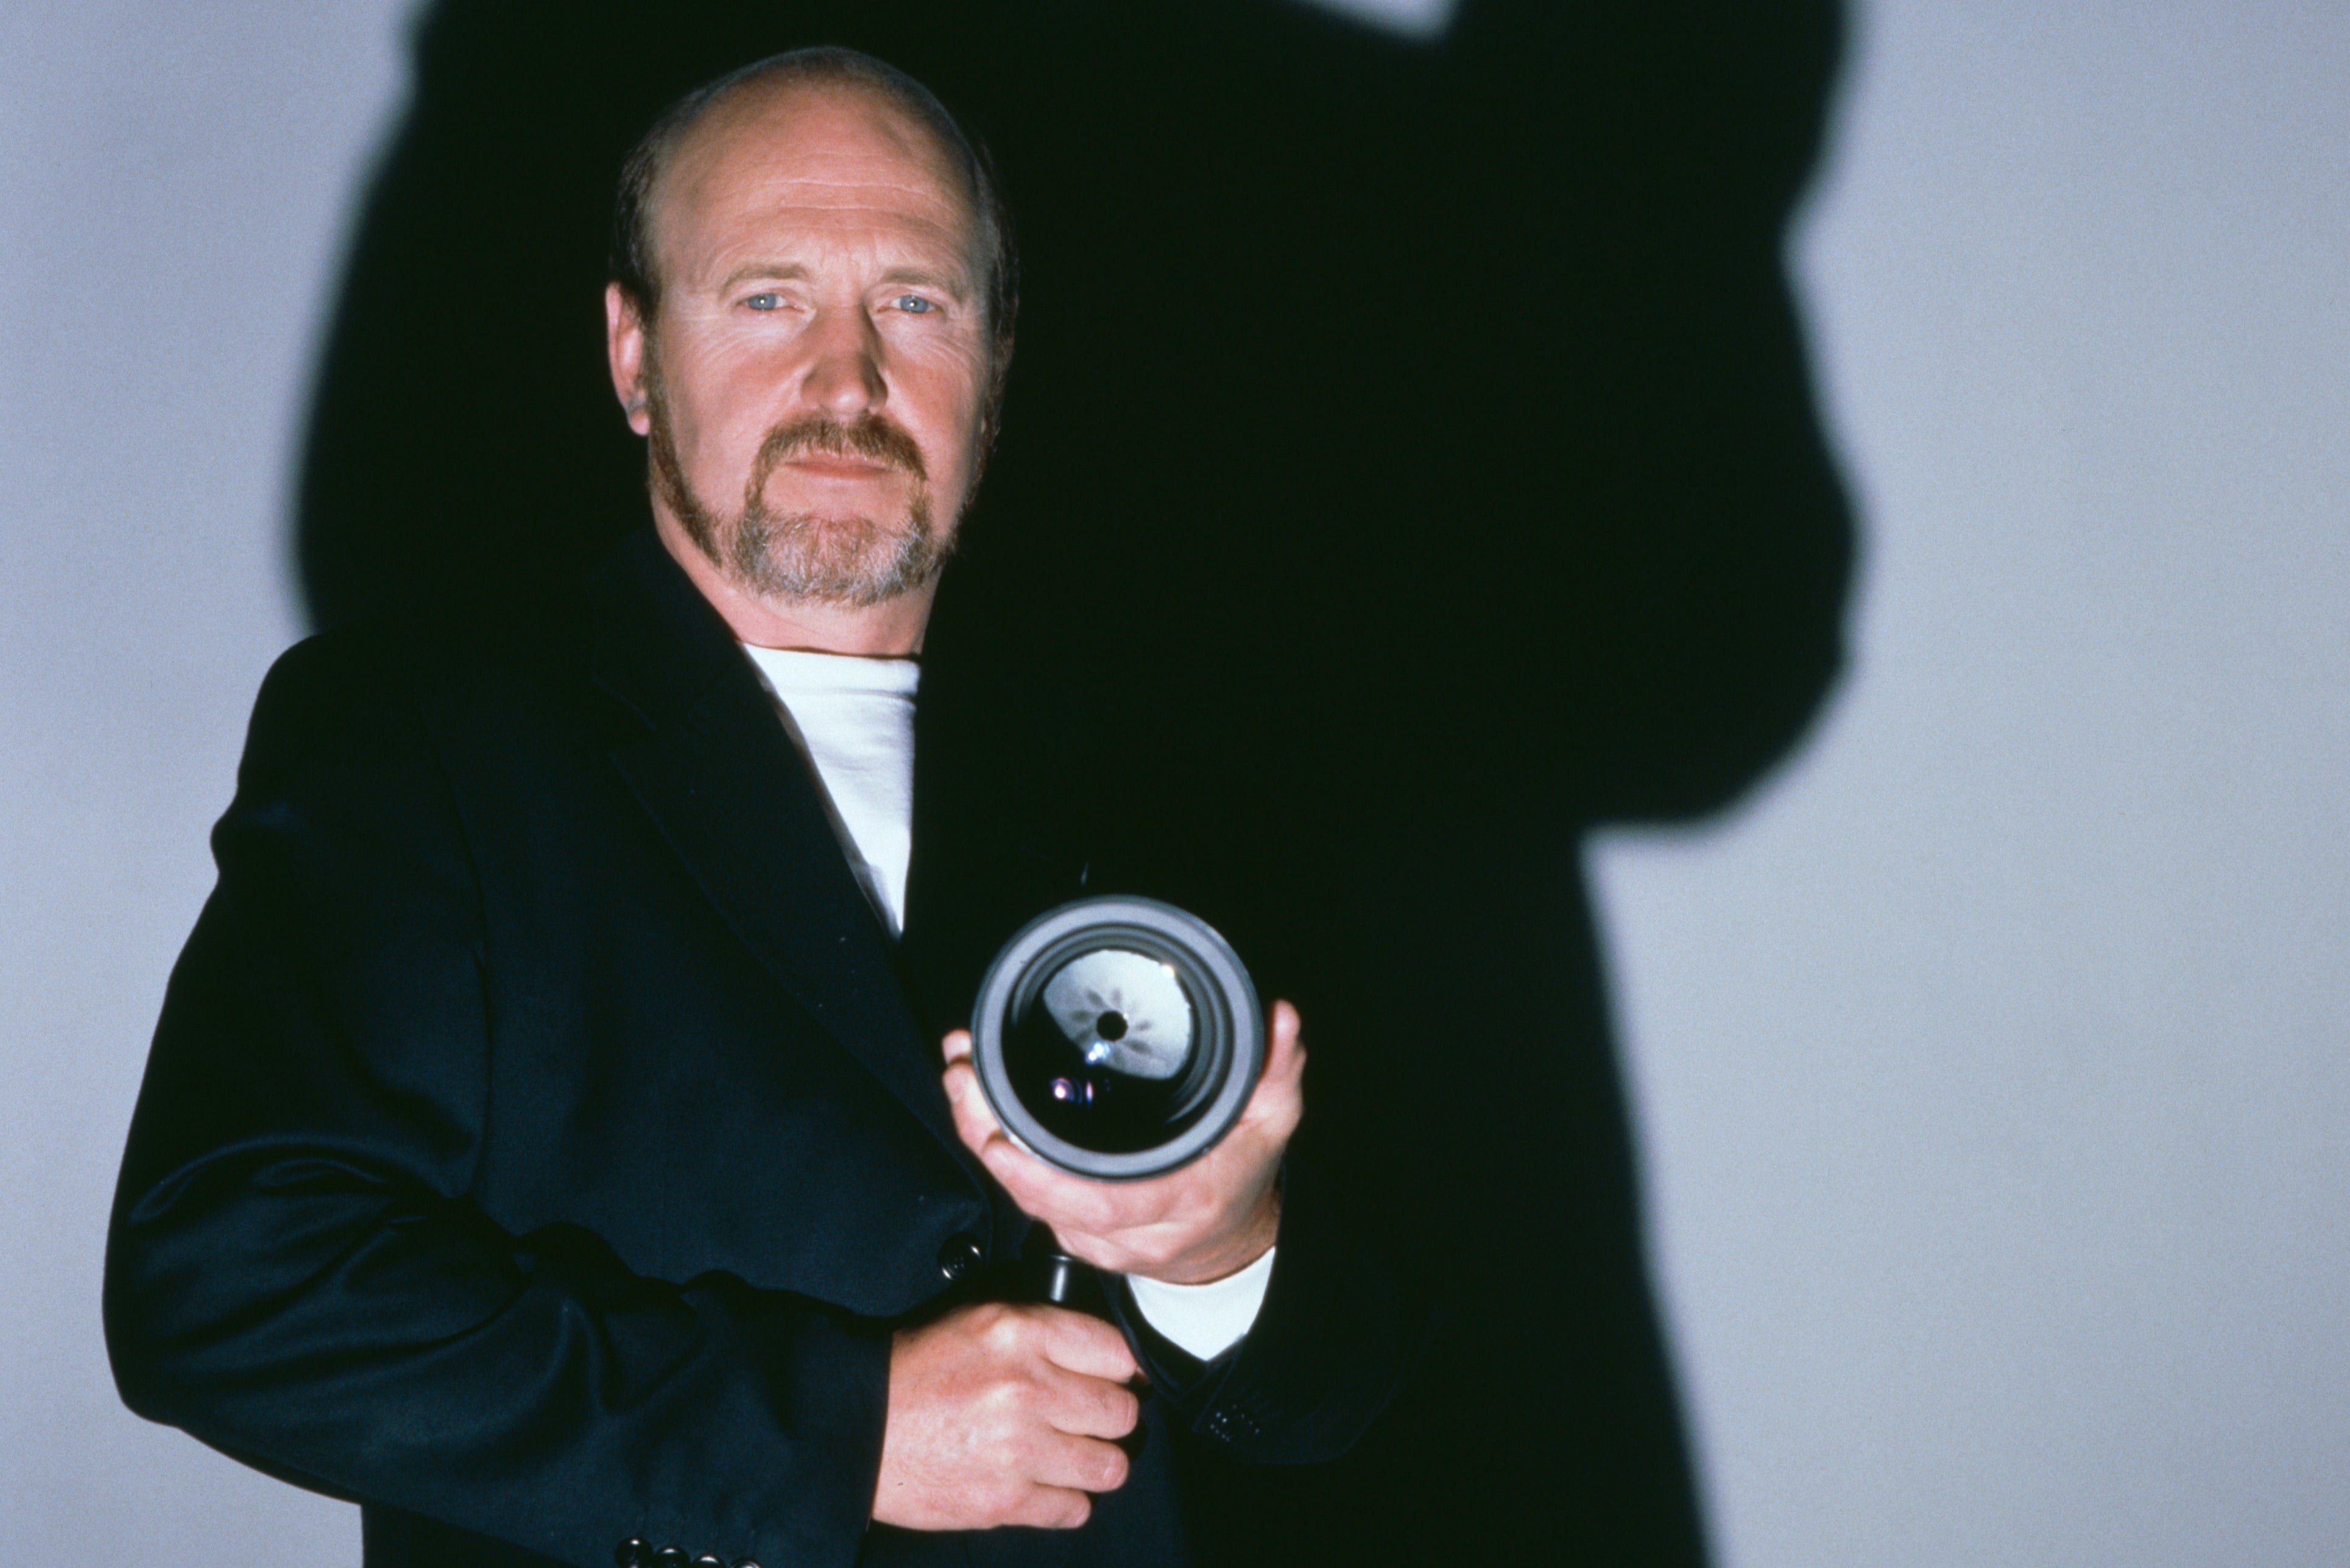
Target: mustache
820,435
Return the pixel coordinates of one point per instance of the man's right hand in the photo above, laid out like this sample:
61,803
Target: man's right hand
1003,1415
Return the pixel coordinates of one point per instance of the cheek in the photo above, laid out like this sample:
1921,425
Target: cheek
720,394
944,396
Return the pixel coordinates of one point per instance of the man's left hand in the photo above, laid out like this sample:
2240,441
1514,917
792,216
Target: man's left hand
1212,1218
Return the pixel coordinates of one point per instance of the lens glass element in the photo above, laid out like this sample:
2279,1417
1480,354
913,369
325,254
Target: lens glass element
1102,1052
1125,1012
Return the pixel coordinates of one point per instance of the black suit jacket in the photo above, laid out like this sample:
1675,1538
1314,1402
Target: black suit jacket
542,1138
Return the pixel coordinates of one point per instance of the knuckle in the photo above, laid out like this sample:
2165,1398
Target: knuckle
1110,1470
1002,1502
1000,1401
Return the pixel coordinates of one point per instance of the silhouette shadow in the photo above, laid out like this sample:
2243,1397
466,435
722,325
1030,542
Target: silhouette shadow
1409,462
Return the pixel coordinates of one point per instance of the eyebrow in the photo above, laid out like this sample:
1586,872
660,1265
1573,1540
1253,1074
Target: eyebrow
782,272
922,277
794,272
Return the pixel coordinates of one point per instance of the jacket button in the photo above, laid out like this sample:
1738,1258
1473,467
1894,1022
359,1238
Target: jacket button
669,1557
746,1562
634,1552
707,1560
959,1255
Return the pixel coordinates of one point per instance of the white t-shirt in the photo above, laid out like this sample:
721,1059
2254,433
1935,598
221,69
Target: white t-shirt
853,719
1205,1320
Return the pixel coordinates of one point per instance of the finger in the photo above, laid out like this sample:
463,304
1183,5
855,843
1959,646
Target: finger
1072,1206
1085,1407
975,1124
1077,1210
1100,1234
1047,1192
1285,1044
1279,1098
957,1045
1080,1464
1052,1507
1080,1342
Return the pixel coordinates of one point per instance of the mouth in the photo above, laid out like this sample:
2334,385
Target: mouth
829,466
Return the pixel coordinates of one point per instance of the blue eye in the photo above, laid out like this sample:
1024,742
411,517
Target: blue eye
914,305
762,302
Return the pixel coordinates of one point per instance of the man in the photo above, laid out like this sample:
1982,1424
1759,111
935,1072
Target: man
1414,466
540,1146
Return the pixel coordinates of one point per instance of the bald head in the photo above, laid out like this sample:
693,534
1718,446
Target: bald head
706,119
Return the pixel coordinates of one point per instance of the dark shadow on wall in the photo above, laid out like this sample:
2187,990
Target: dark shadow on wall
1410,462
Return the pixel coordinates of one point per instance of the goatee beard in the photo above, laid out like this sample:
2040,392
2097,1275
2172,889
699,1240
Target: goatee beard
855,562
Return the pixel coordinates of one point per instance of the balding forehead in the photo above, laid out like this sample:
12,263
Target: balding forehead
770,118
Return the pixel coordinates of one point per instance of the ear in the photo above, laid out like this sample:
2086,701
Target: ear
624,345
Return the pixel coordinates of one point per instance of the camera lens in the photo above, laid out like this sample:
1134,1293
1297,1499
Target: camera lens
1118,1037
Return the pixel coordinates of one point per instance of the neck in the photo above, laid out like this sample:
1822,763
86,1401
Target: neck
888,630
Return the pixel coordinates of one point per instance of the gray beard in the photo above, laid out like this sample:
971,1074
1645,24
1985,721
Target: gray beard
854,562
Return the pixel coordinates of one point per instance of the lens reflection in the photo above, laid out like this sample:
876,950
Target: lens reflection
1123,1010
1102,1052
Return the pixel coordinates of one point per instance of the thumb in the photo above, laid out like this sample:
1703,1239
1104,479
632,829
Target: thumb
1280,1098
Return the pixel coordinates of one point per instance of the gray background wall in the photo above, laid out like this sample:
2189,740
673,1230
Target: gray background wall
1989,1059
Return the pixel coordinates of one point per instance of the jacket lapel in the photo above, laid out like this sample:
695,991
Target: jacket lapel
734,799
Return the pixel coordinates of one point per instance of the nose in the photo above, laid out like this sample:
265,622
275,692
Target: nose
844,371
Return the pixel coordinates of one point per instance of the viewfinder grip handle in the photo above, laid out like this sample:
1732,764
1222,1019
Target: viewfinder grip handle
1056,1279
1053,1276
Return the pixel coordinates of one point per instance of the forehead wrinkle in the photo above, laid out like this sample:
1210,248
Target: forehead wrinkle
875,180
785,118
791,198
857,188
934,257
723,186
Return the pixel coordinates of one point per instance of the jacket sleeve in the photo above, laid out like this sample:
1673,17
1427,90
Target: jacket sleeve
296,1275
1330,1346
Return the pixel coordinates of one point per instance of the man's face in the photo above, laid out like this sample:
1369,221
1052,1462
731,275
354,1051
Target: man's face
814,382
